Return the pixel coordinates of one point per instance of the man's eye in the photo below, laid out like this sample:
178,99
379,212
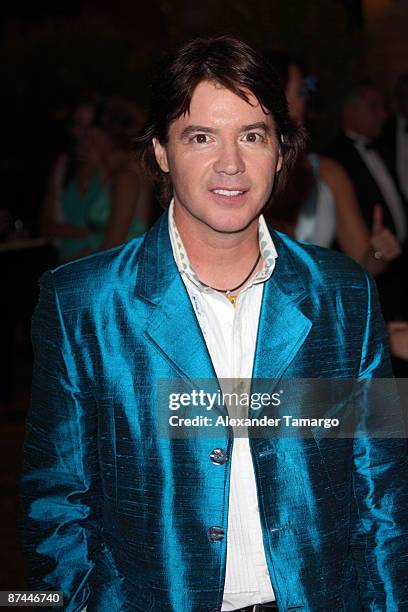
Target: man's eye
200,138
254,137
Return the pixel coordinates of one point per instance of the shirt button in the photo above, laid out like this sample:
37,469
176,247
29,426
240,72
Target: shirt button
218,456
215,534
267,572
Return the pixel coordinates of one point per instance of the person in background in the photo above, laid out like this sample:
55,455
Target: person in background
394,141
319,204
122,208
363,116
98,196
73,183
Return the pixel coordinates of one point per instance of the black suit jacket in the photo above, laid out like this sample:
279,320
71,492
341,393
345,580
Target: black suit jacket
392,284
365,185
387,144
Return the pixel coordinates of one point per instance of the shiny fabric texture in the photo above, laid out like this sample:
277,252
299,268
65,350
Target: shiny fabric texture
117,517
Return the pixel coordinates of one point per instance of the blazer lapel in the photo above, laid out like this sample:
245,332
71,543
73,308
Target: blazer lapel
173,325
283,327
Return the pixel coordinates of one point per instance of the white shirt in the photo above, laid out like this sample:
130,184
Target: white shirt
384,180
230,333
402,153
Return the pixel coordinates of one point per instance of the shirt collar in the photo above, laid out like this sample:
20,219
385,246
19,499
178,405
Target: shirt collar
266,247
359,140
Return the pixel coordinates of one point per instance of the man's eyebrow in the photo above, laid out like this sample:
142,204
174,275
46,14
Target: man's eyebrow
193,129
261,125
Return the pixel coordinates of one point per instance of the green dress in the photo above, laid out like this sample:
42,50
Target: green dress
98,219
92,210
75,210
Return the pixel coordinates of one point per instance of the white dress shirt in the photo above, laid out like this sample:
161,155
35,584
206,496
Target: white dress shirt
402,153
230,333
384,180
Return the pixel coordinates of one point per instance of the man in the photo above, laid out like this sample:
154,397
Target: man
121,517
363,116
394,140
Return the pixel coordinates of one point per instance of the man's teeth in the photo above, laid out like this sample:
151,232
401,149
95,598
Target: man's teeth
228,192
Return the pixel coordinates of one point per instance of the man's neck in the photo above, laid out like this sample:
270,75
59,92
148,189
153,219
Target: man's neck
219,259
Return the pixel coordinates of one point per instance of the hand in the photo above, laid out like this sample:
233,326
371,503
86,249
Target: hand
398,333
383,241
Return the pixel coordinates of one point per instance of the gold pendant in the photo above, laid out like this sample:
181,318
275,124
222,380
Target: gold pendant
232,299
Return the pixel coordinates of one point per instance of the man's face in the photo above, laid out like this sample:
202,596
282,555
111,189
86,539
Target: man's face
222,157
368,113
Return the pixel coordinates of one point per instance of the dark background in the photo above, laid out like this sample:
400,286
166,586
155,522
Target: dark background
53,53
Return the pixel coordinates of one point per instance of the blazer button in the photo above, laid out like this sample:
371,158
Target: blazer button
215,534
218,456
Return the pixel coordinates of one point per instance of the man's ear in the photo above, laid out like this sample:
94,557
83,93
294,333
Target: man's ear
161,155
280,156
280,161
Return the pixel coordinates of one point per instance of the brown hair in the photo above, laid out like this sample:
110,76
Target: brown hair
237,67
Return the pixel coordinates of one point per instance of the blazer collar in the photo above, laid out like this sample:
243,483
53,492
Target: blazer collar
157,268
283,322
173,326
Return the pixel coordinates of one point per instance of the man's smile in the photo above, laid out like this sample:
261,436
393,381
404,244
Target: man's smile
228,192
230,195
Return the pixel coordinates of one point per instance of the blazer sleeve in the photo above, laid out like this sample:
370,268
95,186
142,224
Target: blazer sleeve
379,534
59,482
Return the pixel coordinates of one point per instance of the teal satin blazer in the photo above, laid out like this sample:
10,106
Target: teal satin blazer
118,518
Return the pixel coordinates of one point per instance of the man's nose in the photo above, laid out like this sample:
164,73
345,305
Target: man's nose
229,160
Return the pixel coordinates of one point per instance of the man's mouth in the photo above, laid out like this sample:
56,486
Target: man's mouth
228,192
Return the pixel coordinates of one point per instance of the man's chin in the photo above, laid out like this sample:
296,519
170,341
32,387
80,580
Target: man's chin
231,226
230,221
